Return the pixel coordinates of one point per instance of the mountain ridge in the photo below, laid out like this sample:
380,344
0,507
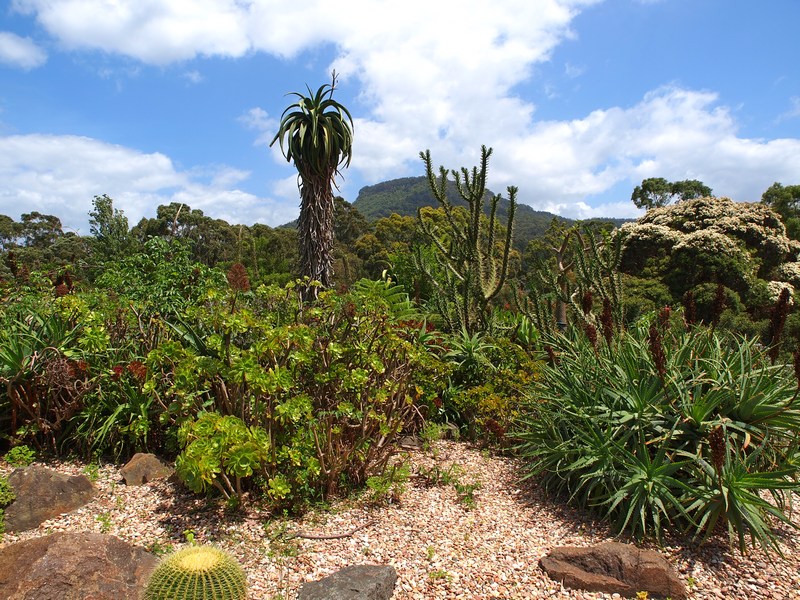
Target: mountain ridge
406,195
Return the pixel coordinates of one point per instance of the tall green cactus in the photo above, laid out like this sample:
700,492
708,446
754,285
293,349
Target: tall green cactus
597,272
470,266
582,262
197,573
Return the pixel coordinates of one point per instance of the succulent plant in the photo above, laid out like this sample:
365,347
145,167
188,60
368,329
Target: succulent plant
197,573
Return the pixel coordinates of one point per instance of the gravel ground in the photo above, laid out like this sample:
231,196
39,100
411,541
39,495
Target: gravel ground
444,541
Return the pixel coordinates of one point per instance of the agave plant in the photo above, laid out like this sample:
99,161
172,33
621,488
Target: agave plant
38,374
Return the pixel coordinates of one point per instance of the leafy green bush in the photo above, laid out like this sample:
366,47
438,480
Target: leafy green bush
332,383
7,496
491,380
162,278
20,456
119,416
220,452
668,427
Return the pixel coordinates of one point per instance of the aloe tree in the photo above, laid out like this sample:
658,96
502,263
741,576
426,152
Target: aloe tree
316,132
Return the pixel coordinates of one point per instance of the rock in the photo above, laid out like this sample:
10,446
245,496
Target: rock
74,566
42,494
451,431
357,582
410,442
612,567
143,468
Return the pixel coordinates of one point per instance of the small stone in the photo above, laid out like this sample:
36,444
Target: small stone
358,582
143,468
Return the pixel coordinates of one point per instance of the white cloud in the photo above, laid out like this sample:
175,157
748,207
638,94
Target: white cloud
258,120
61,175
672,133
434,75
21,52
155,32
194,76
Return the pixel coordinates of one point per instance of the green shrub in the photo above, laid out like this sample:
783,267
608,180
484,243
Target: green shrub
668,428
20,456
332,383
490,383
7,496
197,573
221,452
119,415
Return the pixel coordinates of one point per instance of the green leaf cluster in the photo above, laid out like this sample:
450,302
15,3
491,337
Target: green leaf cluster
220,452
668,429
326,387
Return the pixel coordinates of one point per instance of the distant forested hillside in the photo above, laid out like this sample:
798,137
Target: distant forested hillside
404,196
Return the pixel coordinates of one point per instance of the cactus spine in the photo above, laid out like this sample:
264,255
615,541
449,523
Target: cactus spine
197,573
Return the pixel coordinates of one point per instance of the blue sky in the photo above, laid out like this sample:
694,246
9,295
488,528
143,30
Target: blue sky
154,101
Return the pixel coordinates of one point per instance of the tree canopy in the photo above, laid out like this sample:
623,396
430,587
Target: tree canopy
655,192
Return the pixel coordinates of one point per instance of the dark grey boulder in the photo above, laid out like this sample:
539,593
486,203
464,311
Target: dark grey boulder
612,568
74,566
143,468
357,582
42,494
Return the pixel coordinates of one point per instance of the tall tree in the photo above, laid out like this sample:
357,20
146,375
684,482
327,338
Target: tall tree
316,132
40,231
655,192
785,200
109,226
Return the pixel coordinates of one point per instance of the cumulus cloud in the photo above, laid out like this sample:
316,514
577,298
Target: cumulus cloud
61,175
673,133
433,75
259,120
21,52
151,31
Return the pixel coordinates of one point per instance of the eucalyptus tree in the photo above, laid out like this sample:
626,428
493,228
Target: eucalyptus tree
109,226
656,192
316,133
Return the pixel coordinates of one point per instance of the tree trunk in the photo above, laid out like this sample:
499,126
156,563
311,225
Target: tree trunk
315,234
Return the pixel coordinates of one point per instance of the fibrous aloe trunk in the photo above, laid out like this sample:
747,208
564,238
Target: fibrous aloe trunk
470,264
315,232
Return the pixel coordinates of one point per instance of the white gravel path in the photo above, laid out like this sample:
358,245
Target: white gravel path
439,545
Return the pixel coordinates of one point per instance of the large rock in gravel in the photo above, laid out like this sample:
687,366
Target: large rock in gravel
42,494
358,582
612,567
74,566
143,468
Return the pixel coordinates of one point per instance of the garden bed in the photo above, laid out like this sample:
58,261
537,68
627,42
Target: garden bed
469,531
